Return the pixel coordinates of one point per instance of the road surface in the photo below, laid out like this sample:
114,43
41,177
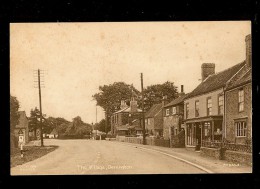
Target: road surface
101,157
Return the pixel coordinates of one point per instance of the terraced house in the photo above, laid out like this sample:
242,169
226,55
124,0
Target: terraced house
154,120
173,113
238,103
205,106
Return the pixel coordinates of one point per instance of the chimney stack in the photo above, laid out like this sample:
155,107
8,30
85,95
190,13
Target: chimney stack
182,91
206,70
133,105
248,51
123,104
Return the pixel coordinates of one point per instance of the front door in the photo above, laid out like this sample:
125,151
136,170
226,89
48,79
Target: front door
198,136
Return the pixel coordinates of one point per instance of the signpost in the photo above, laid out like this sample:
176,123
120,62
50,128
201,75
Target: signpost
21,141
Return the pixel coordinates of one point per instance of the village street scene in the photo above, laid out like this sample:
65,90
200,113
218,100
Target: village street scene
130,98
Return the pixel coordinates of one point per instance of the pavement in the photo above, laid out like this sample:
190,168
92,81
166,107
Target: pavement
210,164
77,157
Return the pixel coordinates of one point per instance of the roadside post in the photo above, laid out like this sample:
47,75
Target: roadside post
21,141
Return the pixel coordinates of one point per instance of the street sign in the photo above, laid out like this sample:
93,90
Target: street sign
21,139
20,132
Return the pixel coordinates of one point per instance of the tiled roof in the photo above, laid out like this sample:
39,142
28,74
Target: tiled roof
176,101
244,76
216,81
154,110
127,109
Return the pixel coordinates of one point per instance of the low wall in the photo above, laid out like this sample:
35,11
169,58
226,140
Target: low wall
212,152
149,141
238,157
232,156
120,138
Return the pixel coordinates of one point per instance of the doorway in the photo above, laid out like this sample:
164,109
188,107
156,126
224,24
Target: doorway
198,136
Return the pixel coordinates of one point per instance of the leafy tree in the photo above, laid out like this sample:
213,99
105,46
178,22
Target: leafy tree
61,129
101,125
14,115
110,96
154,94
78,127
34,122
14,119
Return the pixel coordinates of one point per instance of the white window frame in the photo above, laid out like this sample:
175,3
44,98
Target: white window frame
241,129
209,106
148,121
174,110
221,104
167,112
241,98
187,107
197,107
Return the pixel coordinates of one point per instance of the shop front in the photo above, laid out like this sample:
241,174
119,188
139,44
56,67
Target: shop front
203,129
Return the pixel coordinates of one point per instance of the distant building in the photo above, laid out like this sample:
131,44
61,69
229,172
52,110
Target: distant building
238,103
126,121
53,134
154,120
173,117
22,127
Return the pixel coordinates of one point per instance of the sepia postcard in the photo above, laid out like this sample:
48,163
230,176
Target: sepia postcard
104,98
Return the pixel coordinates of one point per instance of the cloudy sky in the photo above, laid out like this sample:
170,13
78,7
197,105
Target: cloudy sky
77,58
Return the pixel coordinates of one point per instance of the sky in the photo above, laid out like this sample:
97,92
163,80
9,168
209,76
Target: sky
77,58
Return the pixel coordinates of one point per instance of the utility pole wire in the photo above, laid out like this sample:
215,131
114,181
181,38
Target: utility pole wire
40,101
143,108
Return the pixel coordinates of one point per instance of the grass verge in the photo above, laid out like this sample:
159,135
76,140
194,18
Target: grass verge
30,153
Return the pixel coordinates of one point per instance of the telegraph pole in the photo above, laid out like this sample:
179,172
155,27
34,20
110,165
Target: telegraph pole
143,108
40,101
106,121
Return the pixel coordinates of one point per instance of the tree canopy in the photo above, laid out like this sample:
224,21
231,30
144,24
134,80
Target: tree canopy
154,94
110,96
14,115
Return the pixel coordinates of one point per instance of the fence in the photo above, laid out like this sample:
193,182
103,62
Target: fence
148,140
228,146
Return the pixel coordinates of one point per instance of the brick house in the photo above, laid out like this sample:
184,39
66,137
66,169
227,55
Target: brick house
238,103
154,120
173,113
204,106
126,121
23,126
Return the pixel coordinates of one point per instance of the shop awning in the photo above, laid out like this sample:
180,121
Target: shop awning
204,119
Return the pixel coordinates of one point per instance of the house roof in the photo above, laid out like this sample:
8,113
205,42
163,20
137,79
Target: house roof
176,101
22,120
243,76
216,81
153,110
126,110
